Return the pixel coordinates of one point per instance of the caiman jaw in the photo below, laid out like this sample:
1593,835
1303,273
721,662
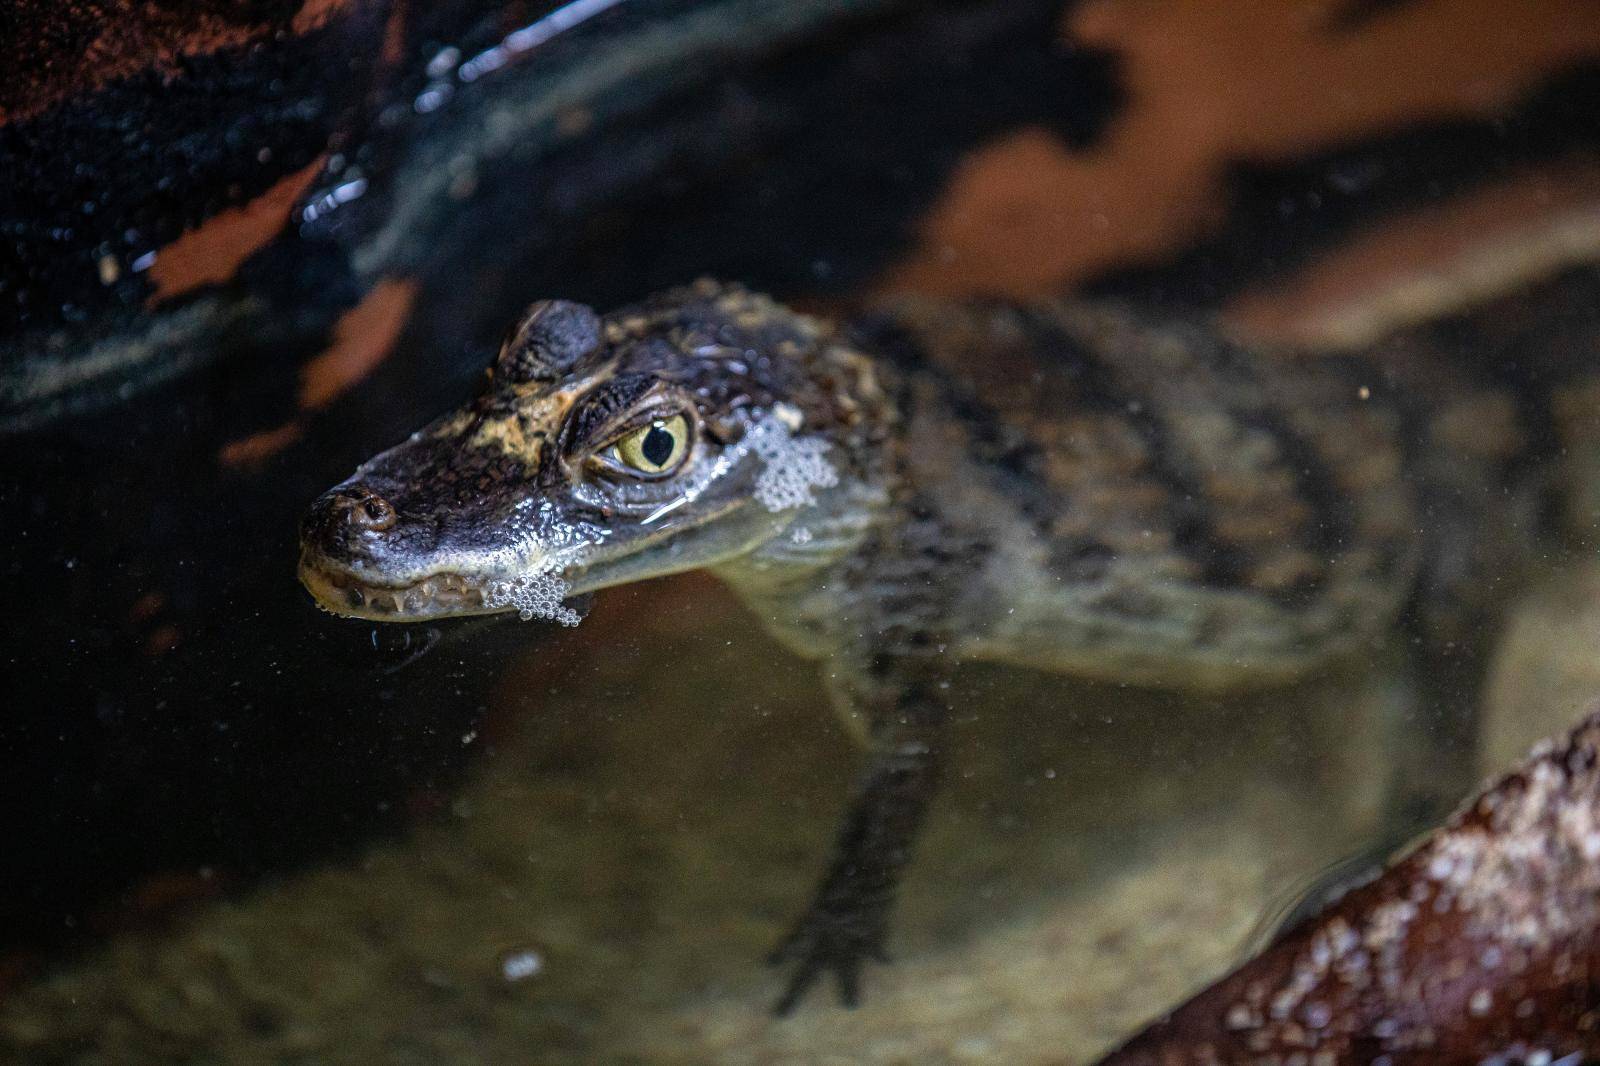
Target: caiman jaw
437,596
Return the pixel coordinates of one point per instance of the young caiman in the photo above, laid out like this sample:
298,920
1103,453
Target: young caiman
1074,487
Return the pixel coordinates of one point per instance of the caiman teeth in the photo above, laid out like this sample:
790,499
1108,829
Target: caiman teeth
448,593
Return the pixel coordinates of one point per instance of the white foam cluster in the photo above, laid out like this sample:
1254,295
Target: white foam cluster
536,529
533,596
794,466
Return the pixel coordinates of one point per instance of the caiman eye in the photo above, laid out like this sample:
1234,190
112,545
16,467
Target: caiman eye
656,448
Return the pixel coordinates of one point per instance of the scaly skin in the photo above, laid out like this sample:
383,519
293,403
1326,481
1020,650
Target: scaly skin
1078,488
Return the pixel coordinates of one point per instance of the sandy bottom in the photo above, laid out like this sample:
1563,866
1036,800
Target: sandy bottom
654,796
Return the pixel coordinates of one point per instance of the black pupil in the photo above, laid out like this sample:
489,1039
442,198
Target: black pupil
657,446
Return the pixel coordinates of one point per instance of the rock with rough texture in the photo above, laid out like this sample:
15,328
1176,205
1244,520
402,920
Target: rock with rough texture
1480,945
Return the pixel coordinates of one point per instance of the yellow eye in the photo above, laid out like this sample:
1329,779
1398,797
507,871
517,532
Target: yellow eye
656,448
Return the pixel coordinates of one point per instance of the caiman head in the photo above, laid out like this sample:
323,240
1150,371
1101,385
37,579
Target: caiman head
691,430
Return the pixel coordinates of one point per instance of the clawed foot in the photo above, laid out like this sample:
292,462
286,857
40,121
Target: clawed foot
829,940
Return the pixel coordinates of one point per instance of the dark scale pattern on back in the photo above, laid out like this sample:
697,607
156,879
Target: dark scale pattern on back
1098,491
1158,505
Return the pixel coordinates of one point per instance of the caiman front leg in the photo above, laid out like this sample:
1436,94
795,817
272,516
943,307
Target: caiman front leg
905,703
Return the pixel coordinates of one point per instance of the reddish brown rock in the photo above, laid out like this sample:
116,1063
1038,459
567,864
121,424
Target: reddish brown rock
1482,945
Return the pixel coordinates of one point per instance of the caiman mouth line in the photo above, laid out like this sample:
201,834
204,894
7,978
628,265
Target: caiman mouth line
342,592
452,594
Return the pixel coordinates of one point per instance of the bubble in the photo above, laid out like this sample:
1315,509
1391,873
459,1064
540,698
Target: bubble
521,965
536,529
794,466
537,595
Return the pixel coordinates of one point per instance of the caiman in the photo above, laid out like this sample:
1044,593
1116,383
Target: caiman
1077,487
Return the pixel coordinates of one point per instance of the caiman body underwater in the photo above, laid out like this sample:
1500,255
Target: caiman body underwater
1077,487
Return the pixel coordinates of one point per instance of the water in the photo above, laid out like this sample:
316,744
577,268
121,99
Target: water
242,830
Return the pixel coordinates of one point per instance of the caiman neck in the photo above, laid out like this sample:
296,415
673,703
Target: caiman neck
796,581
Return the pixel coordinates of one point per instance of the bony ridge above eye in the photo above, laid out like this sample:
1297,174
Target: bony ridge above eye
656,448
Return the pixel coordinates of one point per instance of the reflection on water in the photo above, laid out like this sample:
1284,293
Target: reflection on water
243,830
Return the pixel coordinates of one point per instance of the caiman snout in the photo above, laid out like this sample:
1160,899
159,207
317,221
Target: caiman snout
336,521
358,558
362,508
362,556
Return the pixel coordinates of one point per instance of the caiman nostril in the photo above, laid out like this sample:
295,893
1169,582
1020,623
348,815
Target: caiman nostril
367,511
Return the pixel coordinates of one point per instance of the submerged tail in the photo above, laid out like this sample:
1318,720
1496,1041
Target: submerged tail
1499,405
1502,405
